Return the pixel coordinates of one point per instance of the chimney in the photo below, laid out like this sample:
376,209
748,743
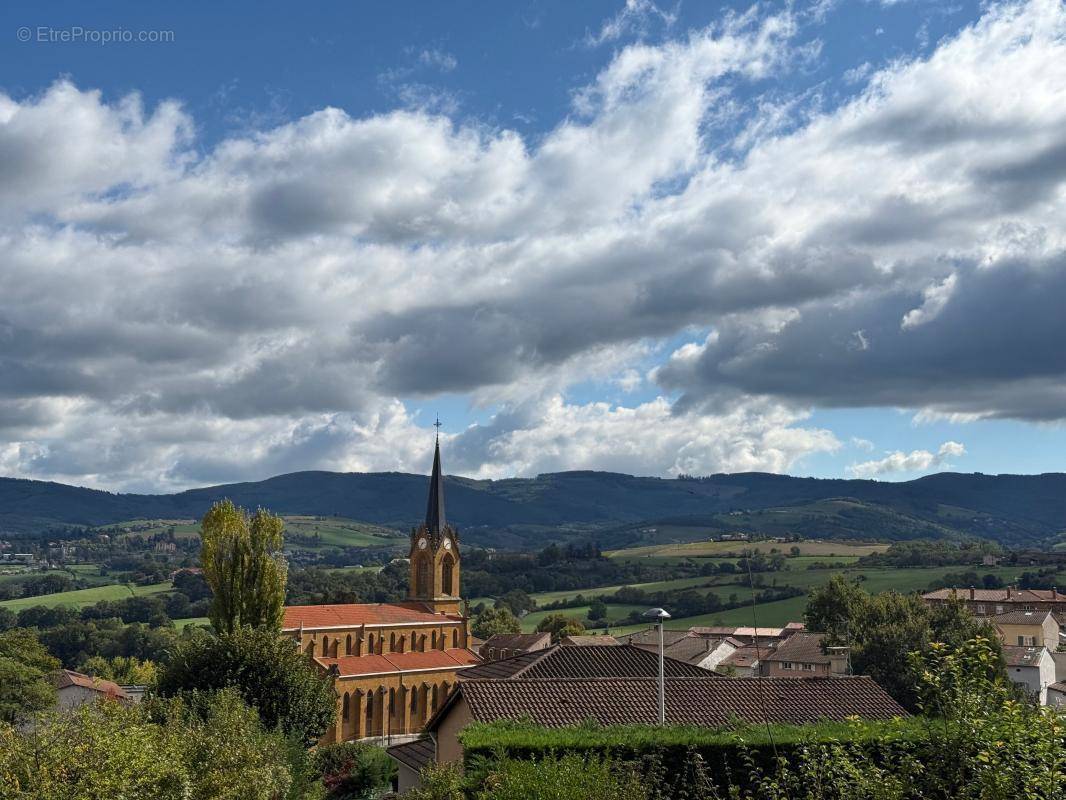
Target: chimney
838,660
1009,592
973,594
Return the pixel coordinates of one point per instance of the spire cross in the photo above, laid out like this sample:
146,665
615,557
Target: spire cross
437,425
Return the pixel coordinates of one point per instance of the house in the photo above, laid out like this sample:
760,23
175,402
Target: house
990,602
1028,628
595,640
703,651
394,663
703,701
1056,694
745,661
804,655
505,645
74,689
1033,668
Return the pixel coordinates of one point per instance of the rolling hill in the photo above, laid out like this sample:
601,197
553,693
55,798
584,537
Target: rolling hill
527,512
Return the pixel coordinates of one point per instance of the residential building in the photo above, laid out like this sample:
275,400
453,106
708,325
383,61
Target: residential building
505,645
990,602
562,662
1032,668
703,651
745,661
394,663
1028,628
704,701
804,656
74,689
1056,695
593,640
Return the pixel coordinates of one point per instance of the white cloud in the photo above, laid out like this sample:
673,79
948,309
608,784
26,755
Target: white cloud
914,461
438,59
276,298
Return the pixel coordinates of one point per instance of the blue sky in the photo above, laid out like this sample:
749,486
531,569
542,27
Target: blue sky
811,237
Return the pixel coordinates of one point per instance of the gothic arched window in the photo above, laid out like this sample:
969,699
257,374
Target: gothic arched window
455,638
370,647
446,574
392,643
345,707
422,578
348,645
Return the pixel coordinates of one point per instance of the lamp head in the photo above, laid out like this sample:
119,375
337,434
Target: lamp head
657,613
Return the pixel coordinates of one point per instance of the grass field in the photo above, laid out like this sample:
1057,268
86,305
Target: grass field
87,597
615,613
182,623
814,547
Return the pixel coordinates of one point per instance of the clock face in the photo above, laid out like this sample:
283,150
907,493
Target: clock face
447,544
422,544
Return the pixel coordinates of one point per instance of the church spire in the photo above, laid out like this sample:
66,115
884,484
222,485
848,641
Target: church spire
435,521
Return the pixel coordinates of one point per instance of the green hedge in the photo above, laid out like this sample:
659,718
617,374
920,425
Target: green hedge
905,758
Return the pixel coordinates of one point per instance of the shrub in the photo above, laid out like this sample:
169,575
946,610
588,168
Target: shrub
351,770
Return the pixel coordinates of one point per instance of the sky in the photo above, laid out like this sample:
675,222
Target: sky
823,237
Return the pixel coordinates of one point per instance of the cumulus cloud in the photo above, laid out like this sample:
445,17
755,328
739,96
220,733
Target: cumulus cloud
174,313
914,461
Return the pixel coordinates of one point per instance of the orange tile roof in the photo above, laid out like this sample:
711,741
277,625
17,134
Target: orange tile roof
451,658
66,677
351,615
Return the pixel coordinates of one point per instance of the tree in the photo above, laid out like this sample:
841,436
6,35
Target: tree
518,601
883,630
243,564
353,770
121,669
597,609
269,672
25,675
560,625
495,620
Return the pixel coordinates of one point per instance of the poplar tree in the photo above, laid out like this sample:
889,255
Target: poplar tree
241,556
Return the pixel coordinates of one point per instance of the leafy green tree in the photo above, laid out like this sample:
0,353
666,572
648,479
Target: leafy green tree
214,749
269,672
560,625
352,770
494,620
597,609
518,601
883,630
121,669
566,777
242,560
25,675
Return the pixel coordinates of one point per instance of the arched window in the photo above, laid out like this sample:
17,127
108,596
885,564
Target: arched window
325,647
455,638
346,707
370,645
435,698
403,641
414,702
381,644
392,643
348,645
446,572
422,578
369,712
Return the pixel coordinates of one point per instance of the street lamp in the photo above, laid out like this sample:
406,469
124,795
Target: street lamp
660,615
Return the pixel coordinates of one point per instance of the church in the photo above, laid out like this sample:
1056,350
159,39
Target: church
394,663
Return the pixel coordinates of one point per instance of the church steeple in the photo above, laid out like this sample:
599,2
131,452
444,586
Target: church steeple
435,521
435,550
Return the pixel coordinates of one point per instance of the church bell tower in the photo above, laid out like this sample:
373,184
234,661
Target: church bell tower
435,552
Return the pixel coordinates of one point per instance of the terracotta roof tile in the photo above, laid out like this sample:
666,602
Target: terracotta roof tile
354,614
1019,617
694,701
517,641
999,595
400,662
805,648
588,641
66,678
623,661
1019,656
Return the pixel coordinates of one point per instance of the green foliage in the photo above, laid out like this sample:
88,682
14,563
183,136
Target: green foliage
242,561
352,771
163,751
268,671
883,630
567,777
560,625
439,782
121,669
25,684
494,620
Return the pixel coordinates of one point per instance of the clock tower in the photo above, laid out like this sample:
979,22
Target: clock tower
435,552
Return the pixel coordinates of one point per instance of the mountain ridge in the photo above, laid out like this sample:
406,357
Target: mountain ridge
1006,507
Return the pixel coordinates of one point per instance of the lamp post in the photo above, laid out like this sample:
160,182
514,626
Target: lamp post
660,615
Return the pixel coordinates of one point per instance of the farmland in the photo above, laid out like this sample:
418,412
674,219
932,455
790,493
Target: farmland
80,598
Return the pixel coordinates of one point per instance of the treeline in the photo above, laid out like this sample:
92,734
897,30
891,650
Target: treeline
691,603
931,553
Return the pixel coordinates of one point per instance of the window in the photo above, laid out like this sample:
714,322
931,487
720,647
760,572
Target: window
455,638
981,609
447,568
808,667
999,609
1027,641
345,706
787,665
348,645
